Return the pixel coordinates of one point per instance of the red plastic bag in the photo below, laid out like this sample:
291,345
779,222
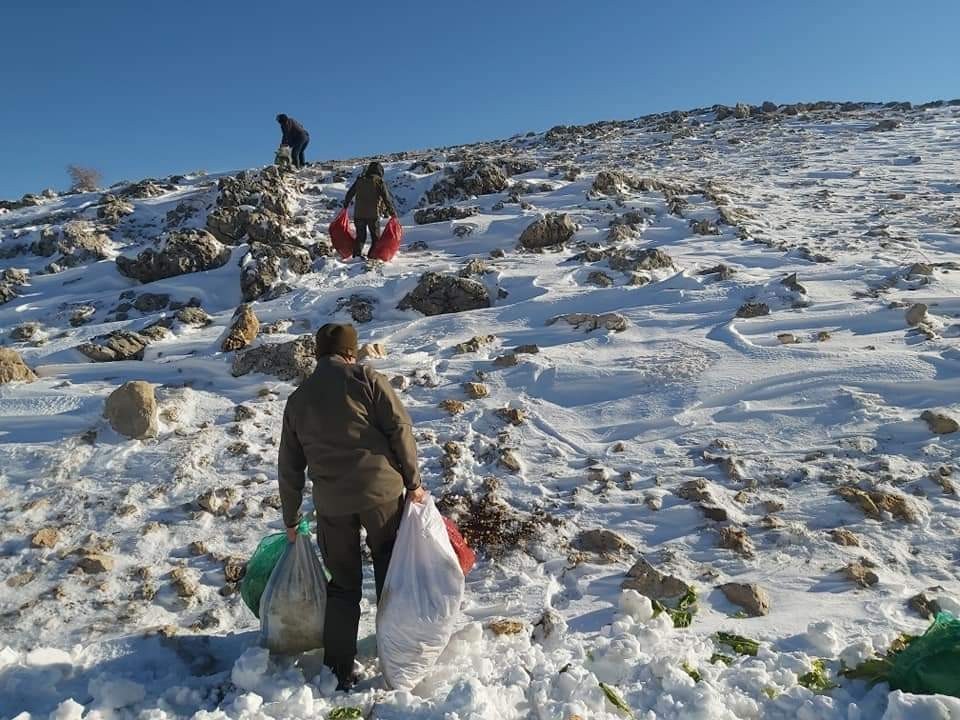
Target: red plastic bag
389,243
465,555
342,236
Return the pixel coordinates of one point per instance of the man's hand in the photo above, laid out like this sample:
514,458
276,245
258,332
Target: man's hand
292,534
418,495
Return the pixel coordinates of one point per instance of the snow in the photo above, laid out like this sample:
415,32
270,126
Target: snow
686,381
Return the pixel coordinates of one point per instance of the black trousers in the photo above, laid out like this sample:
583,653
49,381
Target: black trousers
296,153
363,226
339,539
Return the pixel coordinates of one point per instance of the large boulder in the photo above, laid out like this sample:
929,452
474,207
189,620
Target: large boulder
132,410
186,251
73,244
472,177
438,294
612,183
294,360
553,229
647,580
118,345
13,368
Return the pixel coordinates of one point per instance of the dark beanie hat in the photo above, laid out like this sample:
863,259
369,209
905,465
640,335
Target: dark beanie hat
333,339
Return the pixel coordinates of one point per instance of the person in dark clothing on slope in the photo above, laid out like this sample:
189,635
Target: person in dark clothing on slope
370,192
295,137
346,427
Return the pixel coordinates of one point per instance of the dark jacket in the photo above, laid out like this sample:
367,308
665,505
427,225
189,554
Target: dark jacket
293,133
346,426
369,190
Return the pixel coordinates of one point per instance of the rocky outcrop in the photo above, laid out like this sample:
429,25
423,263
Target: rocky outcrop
186,251
939,422
753,309
475,176
438,294
608,321
243,330
13,368
553,229
113,209
73,244
443,214
132,410
292,360
118,345
146,188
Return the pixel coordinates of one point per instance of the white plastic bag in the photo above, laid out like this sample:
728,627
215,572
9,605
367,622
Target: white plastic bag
421,597
294,602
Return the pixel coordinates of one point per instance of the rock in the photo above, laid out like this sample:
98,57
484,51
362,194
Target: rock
916,315
823,336
925,607
195,316
736,539
474,344
25,332
723,272
612,183
788,339
113,209
510,461
443,214
227,224
527,349
118,345
695,490
132,410
438,294
454,407
600,279
45,538
768,107
514,416
919,270
475,267
507,627
790,282
151,302
474,176
184,582
146,188
400,382
704,227
359,306
372,351
603,541
294,360
742,111
875,502
751,597
753,309
197,548
506,361
939,422
74,243
861,573
185,251
94,563
475,390
887,125
648,581
234,568
13,368
553,229
82,315
715,513
243,331
609,321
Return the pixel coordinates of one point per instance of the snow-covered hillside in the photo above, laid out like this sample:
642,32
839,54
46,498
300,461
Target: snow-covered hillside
712,351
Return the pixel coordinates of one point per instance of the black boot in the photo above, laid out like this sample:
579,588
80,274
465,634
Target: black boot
347,677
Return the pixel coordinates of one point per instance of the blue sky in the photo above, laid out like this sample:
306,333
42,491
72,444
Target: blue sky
147,89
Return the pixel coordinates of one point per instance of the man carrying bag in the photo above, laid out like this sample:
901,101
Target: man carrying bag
348,429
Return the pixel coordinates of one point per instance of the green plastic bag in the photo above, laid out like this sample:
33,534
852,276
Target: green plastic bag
929,664
262,563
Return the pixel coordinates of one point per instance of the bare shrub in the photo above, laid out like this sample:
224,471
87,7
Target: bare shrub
83,179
